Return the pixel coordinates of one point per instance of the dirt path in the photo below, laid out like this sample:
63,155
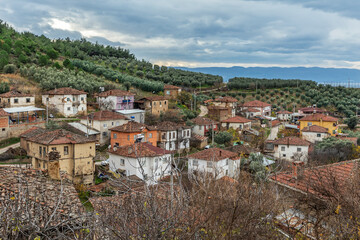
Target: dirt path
2,150
273,133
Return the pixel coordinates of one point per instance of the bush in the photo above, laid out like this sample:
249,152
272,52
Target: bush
10,68
223,138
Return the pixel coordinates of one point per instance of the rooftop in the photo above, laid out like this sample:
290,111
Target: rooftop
319,117
83,128
132,126
284,112
171,87
155,98
236,119
130,111
3,113
203,121
105,116
65,91
213,154
115,92
169,126
256,103
15,93
252,110
315,128
291,141
139,150
23,109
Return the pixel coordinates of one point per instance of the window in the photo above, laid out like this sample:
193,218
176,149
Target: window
82,98
47,99
68,99
73,99
117,124
115,135
40,151
27,100
299,149
66,150
165,102
160,103
227,162
112,123
227,172
200,127
154,103
122,162
150,135
318,135
134,137
44,151
309,123
16,100
195,163
209,164
282,148
3,129
104,134
43,164
88,163
53,149
128,137
105,125
68,108
9,102
168,92
173,135
284,155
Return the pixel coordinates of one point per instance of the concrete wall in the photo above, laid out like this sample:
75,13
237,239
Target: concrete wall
22,101
237,125
219,169
313,137
287,152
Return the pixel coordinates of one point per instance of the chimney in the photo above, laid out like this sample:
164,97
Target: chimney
220,153
297,169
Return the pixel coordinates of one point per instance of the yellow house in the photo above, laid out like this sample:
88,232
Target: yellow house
60,150
321,120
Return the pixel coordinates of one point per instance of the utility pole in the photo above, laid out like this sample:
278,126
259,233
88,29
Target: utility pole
47,111
195,101
212,134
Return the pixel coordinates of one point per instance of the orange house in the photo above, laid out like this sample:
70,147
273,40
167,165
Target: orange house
128,133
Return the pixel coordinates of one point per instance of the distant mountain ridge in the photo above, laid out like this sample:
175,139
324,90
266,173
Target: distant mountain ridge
320,75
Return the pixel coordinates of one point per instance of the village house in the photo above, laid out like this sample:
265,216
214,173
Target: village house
172,91
236,122
67,101
214,161
61,150
284,115
16,98
291,149
251,112
264,108
4,123
198,141
131,132
227,102
83,130
219,113
144,160
310,111
321,120
315,133
154,105
173,136
203,125
136,115
115,99
102,121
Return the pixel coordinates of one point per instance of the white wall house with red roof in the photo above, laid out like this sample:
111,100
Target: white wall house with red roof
236,122
315,133
264,108
143,160
291,149
284,115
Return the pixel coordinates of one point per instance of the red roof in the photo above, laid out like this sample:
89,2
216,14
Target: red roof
318,117
322,177
171,87
139,150
284,112
225,99
15,93
256,103
155,98
105,115
199,137
315,128
3,113
132,126
115,92
213,154
312,109
203,121
291,141
65,91
252,110
275,123
352,139
58,136
236,119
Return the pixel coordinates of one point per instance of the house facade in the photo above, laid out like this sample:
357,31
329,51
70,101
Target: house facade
284,115
129,133
16,98
215,162
322,120
173,136
236,122
203,125
115,99
264,108
61,151
172,91
137,115
102,121
4,123
226,102
219,113
154,105
291,149
67,101
315,133
251,112
143,160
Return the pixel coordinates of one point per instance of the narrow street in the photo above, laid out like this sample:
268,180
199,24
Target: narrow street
203,111
273,133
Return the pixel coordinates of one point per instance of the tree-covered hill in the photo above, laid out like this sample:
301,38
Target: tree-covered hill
85,65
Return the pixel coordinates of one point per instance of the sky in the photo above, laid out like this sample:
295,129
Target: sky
204,33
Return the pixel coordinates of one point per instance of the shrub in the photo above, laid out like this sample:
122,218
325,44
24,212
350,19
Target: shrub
9,68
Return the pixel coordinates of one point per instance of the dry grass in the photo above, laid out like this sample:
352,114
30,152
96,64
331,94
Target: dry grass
22,84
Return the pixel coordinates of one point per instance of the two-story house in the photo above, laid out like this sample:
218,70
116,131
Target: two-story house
16,98
103,121
202,125
262,107
115,99
322,120
284,115
173,136
236,122
229,103
154,104
132,132
144,160
215,161
172,91
314,133
61,150
291,149
67,101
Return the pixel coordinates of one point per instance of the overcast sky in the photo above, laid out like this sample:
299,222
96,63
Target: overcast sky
197,33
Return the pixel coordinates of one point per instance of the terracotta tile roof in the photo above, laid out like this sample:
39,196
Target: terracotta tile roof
132,126
52,137
171,87
242,149
65,91
199,137
213,154
139,150
15,93
155,98
34,131
291,141
256,103
42,191
225,99
322,176
3,113
315,128
251,110
318,117
169,126
217,108
275,123
105,115
312,109
115,92
352,139
203,121
236,119
284,112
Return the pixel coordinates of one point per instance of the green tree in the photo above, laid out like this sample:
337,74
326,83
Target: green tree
127,85
52,54
4,59
43,60
352,122
10,68
223,138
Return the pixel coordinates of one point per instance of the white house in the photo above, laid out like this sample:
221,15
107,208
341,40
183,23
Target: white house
284,115
16,98
314,133
67,101
291,149
251,112
137,115
144,160
236,122
115,99
264,108
103,121
214,161
203,125
173,136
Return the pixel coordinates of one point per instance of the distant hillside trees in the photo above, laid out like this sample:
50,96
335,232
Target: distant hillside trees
258,83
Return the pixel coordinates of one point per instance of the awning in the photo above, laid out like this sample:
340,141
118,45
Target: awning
23,109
